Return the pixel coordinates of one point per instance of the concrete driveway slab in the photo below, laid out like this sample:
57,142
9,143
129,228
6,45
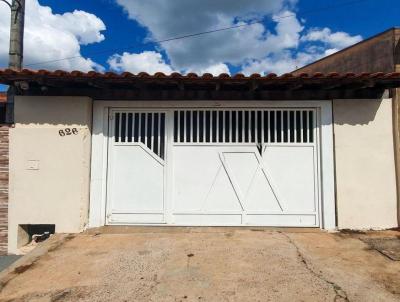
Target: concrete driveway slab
207,264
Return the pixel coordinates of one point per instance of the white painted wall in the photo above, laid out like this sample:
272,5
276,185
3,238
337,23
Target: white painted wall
49,173
365,166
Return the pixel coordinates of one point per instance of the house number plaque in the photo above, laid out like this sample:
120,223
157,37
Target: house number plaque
68,131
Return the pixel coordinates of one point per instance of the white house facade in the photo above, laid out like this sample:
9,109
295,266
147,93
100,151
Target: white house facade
89,150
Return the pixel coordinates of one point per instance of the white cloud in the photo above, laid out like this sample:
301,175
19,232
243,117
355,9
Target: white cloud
316,44
50,36
330,51
180,17
152,62
216,69
281,63
147,61
86,27
252,48
336,40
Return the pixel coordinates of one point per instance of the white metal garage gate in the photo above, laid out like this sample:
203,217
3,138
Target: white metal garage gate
214,167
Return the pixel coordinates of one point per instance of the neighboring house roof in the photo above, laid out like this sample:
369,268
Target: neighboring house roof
3,97
380,52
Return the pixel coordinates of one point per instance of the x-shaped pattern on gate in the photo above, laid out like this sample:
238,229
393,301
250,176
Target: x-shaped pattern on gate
236,187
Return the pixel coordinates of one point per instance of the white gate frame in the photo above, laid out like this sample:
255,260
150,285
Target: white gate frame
98,182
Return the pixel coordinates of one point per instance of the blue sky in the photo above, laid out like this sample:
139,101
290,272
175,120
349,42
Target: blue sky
365,18
117,34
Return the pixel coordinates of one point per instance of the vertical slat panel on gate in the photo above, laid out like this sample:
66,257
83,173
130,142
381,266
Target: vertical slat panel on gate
306,126
282,126
249,126
146,128
295,126
179,126
262,127
237,126
150,130
133,127
183,112
140,127
301,126
229,131
229,126
204,126
223,127
289,126
189,120
159,135
126,127
192,127
198,126
119,127
243,126
265,126
211,126
217,128
275,126
256,126
312,126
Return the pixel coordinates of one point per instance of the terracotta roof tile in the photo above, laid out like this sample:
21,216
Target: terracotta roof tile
205,75
8,76
192,75
77,73
175,75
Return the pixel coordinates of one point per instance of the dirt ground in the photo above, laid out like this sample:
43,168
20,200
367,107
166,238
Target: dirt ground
205,264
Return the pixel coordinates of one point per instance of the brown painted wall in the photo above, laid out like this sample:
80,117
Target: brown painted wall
396,139
379,53
397,49
3,188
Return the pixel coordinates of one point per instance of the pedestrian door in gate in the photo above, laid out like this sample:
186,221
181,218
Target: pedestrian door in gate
136,167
